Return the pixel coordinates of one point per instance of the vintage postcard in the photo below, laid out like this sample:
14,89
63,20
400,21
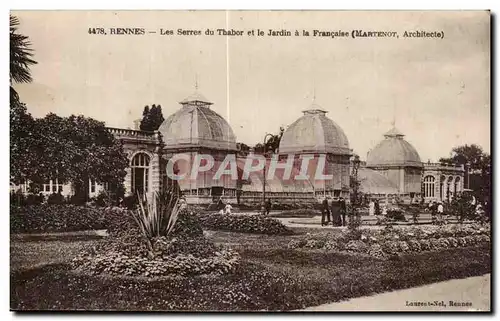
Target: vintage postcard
250,161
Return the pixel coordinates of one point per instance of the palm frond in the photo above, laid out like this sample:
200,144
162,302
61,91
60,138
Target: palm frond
21,54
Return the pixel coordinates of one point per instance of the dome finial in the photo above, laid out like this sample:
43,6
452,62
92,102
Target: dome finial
394,132
314,108
394,116
196,99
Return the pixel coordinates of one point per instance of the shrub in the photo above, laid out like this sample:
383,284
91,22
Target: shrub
414,246
244,223
55,198
130,202
375,250
356,246
453,242
314,244
55,218
331,245
103,199
396,214
403,246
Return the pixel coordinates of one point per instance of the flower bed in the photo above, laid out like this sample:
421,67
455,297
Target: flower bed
244,223
269,280
185,252
117,263
394,241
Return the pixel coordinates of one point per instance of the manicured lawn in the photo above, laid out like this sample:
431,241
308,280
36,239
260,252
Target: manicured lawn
29,254
272,277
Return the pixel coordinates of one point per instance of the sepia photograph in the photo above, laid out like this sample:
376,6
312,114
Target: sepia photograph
250,161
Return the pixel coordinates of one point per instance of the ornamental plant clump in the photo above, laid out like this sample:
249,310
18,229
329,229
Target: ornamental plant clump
157,216
160,238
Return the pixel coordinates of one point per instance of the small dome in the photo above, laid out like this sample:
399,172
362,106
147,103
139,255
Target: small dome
393,151
314,132
195,124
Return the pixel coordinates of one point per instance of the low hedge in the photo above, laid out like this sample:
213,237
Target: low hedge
260,224
55,218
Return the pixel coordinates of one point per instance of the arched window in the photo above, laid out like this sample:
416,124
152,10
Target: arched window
429,186
140,173
456,188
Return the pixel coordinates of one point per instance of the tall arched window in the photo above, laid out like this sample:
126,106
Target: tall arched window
429,186
456,188
140,173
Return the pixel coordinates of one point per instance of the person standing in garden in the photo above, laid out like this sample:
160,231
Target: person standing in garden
343,210
371,208
440,210
228,208
325,213
268,206
377,207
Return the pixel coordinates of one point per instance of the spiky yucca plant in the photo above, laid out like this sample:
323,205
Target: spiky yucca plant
157,215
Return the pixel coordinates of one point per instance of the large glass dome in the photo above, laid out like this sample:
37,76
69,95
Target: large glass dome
196,124
393,151
314,133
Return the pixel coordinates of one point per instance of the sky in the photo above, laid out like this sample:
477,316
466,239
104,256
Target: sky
437,91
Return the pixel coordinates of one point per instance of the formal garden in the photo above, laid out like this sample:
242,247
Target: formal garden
155,252
165,256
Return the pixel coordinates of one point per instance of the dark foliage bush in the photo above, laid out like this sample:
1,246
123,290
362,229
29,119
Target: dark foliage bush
130,202
55,198
55,218
103,199
396,215
244,223
17,198
276,205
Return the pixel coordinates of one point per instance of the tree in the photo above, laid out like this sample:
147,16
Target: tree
77,149
272,143
462,155
71,149
20,58
23,141
478,167
151,118
461,206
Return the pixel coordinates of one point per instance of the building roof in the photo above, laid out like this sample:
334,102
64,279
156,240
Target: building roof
196,124
393,151
373,182
314,132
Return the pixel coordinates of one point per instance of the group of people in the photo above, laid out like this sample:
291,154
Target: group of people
224,208
334,212
436,208
374,208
